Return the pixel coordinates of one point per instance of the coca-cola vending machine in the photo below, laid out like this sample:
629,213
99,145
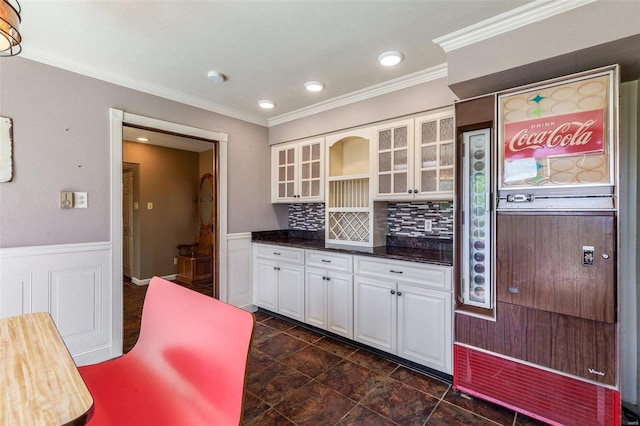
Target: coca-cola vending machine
537,304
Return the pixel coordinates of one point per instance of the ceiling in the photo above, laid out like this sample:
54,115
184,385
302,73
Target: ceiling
266,49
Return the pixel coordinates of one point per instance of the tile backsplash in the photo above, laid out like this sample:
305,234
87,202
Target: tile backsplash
403,219
306,217
407,219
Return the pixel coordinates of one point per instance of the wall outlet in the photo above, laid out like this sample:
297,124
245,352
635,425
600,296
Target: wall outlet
427,225
175,260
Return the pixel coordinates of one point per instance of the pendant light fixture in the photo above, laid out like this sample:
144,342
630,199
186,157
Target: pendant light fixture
10,28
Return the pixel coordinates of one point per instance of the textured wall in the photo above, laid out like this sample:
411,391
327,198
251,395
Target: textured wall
61,142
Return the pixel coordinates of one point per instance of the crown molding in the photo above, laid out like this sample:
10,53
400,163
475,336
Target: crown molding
532,12
142,86
410,80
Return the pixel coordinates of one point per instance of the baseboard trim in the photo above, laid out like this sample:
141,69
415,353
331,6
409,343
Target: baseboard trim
93,355
146,281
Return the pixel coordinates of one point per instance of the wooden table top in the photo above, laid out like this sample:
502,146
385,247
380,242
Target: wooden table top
39,382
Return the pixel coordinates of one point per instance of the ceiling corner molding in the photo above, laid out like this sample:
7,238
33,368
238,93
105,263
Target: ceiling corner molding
508,21
141,86
410,80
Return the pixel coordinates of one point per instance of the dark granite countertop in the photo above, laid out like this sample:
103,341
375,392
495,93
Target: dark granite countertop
423,250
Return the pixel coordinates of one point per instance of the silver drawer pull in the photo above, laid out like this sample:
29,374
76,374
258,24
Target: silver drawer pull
395,272
326,261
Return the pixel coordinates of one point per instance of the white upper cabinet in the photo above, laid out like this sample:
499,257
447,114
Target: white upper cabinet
435,156
394,145
415,158
297,172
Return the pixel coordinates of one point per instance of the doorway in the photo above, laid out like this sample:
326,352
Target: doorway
168,206
119,120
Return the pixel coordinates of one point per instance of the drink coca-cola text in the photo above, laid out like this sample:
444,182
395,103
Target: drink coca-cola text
570,134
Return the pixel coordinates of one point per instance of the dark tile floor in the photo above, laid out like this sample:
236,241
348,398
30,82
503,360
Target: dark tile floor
300,377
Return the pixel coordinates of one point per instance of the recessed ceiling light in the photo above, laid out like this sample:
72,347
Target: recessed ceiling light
142,139
390,58
314,86
216,77
266,104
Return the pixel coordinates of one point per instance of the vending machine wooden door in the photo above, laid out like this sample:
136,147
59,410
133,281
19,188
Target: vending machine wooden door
558,262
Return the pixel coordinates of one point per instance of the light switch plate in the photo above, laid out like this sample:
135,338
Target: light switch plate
428,225
80,200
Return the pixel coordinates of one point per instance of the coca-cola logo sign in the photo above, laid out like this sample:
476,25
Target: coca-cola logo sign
568,134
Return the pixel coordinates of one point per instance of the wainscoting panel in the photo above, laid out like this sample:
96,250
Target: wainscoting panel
15,294
239,287
72,282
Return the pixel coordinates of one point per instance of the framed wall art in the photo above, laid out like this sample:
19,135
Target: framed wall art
6,149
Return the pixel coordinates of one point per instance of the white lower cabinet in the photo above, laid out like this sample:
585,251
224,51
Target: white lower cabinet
278,279
400,307
329,301
375,313
424,326
329,292
412,320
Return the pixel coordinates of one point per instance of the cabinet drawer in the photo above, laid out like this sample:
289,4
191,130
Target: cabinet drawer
328,260
407,272
284,254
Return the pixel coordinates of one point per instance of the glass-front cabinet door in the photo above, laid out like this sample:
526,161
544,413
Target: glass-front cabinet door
283,162
298,172
311,170
394,150
476,261
434,156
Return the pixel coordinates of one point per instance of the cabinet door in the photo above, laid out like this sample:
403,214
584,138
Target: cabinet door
394,148
434,156
424,327
265,284
562,263
284,173
311,174
291,291
340,304
374,312
315,298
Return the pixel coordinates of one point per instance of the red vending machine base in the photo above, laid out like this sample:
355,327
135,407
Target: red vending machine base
538,393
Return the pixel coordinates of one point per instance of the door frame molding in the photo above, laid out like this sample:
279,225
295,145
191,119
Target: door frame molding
117,118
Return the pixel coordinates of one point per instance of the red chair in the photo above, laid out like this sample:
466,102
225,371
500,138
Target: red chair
188,366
